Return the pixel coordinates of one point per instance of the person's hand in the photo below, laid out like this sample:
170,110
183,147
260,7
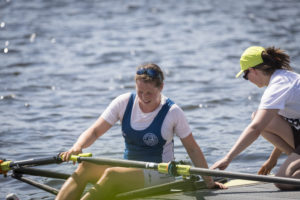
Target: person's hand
219,186
211,184
267,167
221,164
73,151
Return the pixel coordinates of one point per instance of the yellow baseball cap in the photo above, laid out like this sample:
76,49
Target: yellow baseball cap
250,58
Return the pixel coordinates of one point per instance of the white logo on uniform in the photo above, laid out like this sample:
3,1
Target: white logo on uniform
150,139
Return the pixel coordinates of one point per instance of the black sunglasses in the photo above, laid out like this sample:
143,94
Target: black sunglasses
246,74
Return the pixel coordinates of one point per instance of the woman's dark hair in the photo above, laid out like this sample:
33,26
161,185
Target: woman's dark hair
274,58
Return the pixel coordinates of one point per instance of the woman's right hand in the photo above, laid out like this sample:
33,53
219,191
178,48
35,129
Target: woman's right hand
73,151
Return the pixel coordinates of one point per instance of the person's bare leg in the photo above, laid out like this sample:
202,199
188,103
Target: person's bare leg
278,142
73,188
291,169
116,180
280,134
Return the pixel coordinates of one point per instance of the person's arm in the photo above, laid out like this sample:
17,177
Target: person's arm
270,163
198,159
88,137
249,135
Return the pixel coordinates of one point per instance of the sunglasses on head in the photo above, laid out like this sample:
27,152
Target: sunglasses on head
150,72
246,74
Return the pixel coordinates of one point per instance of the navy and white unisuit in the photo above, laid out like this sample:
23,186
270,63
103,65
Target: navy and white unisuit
144,145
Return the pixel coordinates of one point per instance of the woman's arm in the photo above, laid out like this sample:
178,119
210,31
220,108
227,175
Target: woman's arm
197,157
249,135
88,137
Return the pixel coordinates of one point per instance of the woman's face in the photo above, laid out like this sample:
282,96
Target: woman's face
257,77
148,95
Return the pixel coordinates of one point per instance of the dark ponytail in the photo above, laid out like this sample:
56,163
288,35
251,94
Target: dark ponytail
274,58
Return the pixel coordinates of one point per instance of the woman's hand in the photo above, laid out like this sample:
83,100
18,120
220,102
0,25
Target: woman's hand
221,164
267,167
73,151
218,185
270,163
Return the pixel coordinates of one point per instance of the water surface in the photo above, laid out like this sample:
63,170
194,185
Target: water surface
62,62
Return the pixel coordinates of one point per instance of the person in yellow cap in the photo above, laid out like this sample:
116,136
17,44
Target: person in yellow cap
278,116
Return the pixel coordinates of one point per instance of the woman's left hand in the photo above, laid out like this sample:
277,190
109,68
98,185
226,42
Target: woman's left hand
267,167
218,185
221,164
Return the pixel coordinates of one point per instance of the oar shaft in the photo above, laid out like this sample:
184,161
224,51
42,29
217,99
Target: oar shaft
41,172
45,161
188,170
38,185
35,162
9,165
120,163
245,176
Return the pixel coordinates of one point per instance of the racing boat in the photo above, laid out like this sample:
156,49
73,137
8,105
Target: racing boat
187,185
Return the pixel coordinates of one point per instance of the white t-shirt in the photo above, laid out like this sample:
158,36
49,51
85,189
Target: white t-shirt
175,121
283,93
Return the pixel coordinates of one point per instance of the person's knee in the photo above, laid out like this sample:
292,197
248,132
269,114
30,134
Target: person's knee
82,167
112,177
106,187
84,172
281,173
286,186
279,186
111,173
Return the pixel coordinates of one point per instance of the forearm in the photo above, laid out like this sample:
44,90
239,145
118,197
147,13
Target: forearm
262,118
275,155
89,136
86,139
199,160
270,163
197,157
249,135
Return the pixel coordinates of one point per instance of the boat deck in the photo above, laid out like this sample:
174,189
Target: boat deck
242,190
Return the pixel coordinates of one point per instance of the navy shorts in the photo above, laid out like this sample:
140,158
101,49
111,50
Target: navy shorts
296,132
297,151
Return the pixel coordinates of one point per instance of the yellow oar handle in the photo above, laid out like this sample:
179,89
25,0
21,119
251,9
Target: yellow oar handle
75,157
171,168
4,167
183,170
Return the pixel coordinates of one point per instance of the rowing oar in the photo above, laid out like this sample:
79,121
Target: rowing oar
187,170
6,166
36,184
40,172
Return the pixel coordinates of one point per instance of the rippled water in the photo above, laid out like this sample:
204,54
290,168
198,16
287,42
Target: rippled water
62,62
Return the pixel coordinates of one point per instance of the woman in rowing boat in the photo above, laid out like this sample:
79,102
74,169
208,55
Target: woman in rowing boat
278,116
149,122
